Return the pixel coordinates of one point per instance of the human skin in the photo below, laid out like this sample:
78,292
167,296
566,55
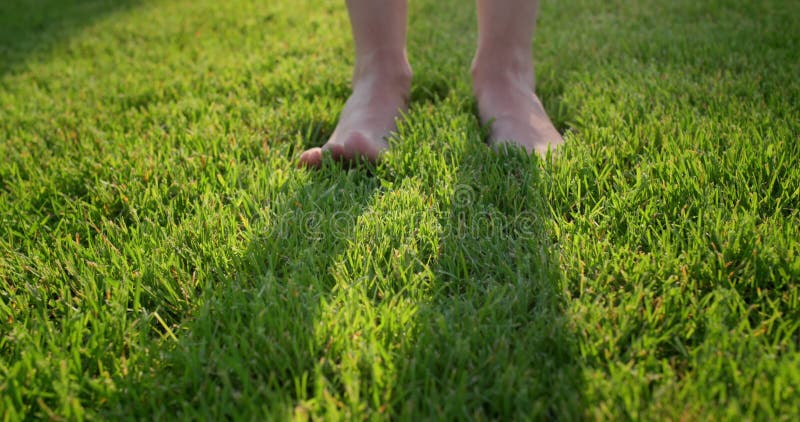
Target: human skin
381,83
502,75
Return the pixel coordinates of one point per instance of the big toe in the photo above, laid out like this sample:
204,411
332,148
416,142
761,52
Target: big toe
356,146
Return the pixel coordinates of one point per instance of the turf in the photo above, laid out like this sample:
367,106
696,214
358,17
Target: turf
162,256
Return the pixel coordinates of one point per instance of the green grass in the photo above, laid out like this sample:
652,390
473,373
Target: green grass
161,255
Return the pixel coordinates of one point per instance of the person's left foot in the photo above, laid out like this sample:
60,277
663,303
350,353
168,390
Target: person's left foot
514,113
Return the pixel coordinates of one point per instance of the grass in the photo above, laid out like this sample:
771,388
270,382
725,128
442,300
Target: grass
162,256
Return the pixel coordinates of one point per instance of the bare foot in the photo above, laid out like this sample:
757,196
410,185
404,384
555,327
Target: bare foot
368,118
507,103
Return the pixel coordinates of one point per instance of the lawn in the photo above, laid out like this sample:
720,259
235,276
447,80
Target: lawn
161,254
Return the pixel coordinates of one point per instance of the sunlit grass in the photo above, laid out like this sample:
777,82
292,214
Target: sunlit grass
162,255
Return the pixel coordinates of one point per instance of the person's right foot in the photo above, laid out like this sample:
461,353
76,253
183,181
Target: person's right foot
368,118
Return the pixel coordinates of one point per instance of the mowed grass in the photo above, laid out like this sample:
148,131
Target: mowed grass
162,255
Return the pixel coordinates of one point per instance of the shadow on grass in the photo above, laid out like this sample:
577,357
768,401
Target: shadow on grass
32,27
485,335
253,335
493,341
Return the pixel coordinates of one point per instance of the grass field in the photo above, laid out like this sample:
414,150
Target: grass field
161,255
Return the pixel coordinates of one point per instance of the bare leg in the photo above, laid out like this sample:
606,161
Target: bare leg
503,77
381,83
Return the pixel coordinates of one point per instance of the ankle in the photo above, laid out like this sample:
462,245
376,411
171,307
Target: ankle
384,67
497,71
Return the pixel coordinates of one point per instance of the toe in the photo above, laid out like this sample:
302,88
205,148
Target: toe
356,146
338,151
311,158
